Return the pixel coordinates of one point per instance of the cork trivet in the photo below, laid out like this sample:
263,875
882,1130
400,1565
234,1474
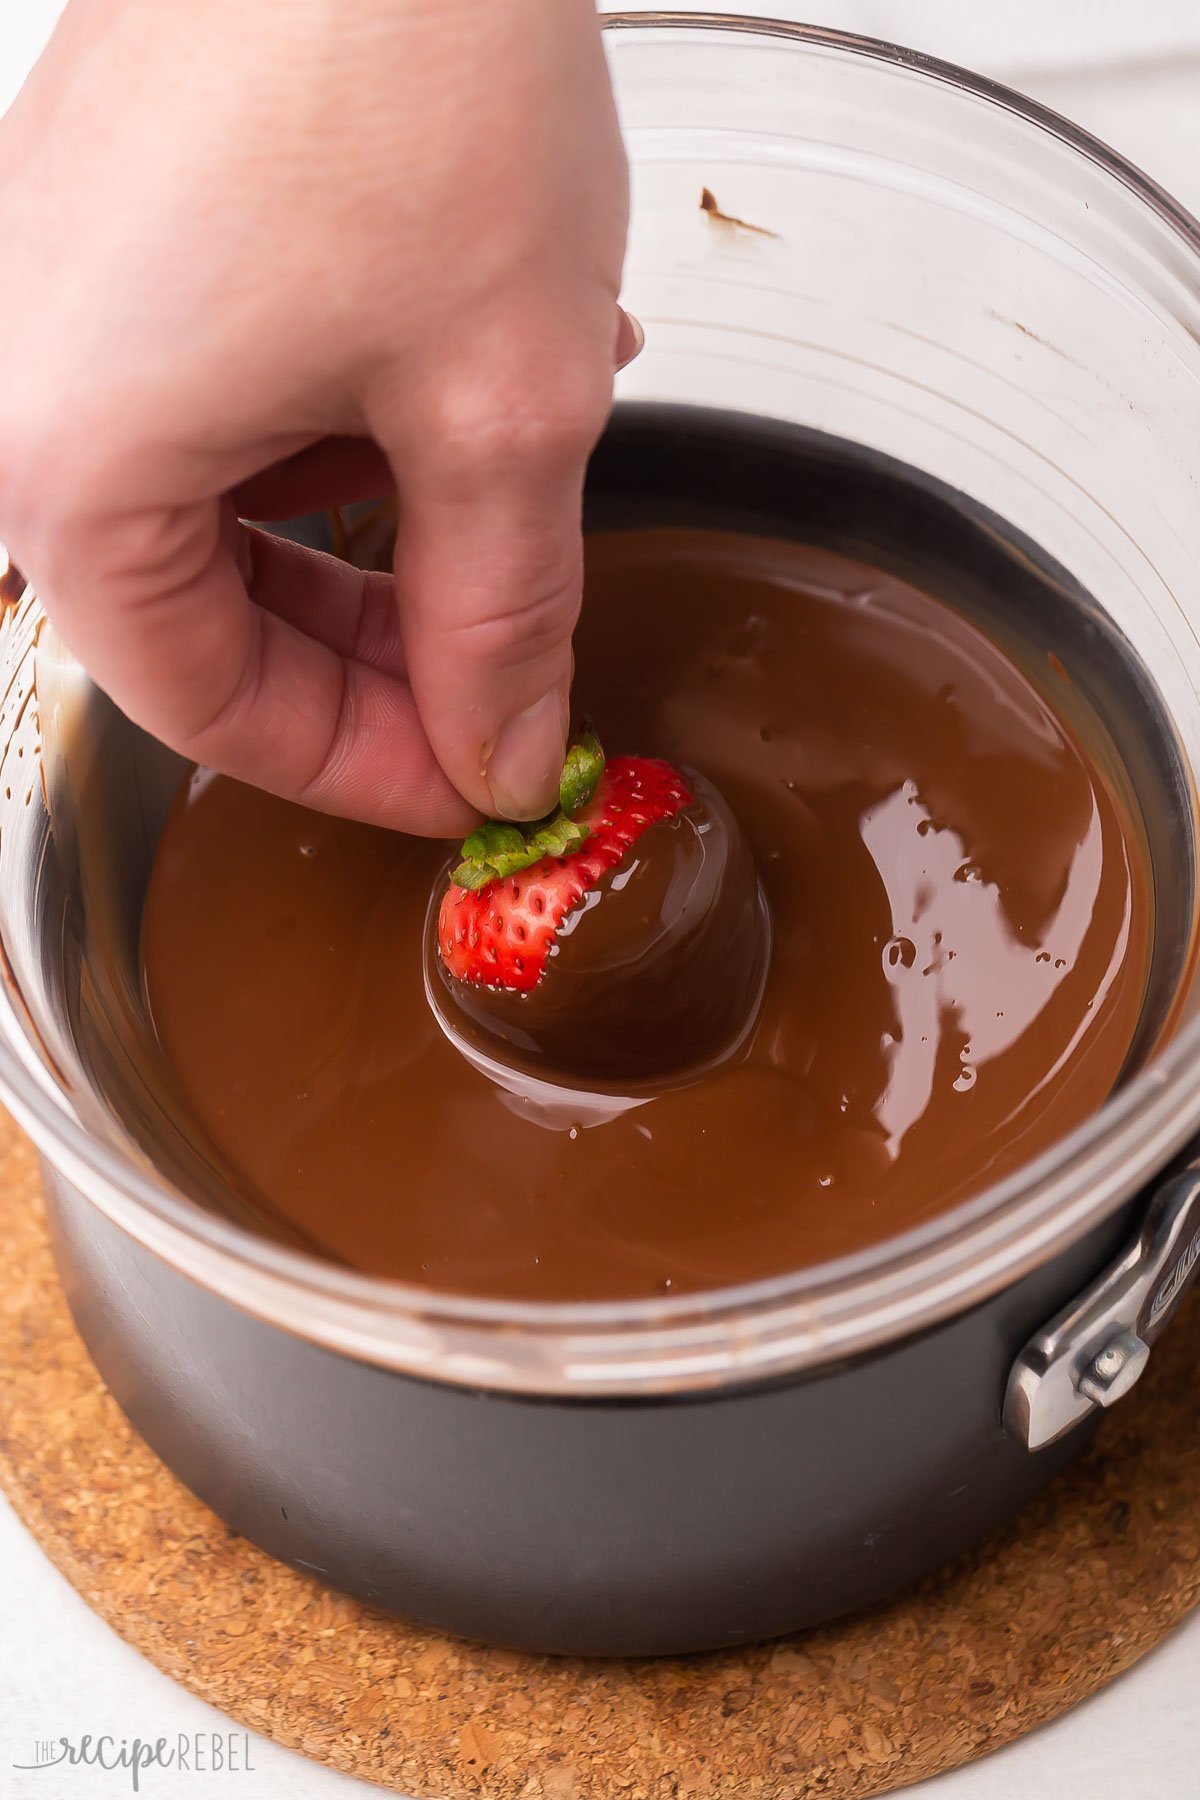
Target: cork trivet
1085,1582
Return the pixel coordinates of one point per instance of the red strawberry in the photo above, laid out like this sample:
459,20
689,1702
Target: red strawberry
506,900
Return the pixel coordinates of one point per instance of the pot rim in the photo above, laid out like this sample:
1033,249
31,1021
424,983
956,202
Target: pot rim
752,1331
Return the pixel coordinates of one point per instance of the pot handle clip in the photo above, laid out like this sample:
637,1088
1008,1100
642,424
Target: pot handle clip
1095,1349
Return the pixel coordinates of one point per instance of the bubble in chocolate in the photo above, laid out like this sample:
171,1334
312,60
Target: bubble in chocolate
657,972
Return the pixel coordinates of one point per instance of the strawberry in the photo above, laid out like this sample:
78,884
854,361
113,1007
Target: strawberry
516,884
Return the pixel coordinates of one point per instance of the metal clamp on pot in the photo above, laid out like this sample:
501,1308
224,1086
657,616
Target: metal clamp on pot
1095,1350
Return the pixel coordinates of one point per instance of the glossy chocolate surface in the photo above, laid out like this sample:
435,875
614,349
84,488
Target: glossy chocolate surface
961,922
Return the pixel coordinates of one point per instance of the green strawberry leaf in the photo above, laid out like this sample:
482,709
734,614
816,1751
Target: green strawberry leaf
581,771
498,849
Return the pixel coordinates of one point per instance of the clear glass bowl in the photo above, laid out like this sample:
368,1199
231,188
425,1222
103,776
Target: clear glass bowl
893,251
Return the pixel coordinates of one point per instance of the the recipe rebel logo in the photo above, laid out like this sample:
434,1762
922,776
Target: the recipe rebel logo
192,1753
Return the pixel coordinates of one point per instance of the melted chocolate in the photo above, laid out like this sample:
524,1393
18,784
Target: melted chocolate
961,923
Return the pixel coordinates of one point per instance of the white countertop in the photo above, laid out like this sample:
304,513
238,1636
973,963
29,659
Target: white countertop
64,1673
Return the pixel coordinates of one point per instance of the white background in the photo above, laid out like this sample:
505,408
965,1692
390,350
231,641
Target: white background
1131,72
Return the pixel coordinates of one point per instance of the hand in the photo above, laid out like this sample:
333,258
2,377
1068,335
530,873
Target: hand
263,258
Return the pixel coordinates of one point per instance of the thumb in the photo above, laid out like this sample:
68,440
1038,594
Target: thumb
489,573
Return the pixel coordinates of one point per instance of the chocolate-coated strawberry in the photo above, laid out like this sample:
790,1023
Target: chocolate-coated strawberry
508,897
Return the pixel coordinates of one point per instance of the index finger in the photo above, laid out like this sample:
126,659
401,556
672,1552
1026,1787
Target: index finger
221,672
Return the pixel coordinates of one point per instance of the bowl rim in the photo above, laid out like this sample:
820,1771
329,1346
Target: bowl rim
752,1331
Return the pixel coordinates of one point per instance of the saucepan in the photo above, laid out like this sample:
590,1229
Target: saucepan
834,235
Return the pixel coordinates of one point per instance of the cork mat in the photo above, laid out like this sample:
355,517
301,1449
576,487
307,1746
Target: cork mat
1091,1576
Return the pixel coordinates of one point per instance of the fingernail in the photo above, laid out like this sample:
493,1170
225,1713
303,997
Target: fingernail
525,767
630,338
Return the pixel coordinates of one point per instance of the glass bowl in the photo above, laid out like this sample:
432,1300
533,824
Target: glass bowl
826,231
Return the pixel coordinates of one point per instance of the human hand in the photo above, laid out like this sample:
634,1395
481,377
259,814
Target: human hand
267,258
